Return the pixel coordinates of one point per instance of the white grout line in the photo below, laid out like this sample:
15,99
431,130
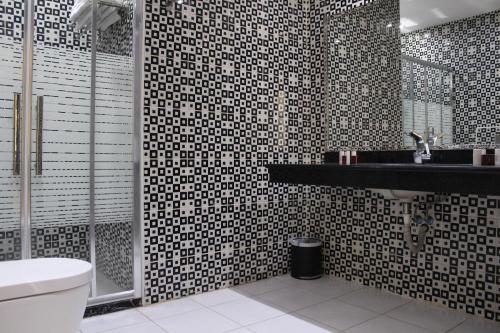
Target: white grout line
451,329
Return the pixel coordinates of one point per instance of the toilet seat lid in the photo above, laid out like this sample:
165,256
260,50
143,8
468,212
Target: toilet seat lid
23,278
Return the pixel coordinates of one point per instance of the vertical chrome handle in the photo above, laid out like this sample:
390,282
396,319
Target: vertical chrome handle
16,139
39,136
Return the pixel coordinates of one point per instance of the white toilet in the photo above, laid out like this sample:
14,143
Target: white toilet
46,295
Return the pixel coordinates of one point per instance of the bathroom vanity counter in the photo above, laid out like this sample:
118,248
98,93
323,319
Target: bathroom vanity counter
450,178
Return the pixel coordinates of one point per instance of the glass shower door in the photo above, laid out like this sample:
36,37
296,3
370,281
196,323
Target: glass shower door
82,177
11,55
60,178
114,158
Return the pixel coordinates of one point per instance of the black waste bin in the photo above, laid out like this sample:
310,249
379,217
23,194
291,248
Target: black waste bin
307,260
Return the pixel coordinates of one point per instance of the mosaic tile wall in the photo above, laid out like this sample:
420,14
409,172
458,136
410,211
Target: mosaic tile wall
318,12
470,48
363,84
114,252
226,91
52,25
460,264
65,241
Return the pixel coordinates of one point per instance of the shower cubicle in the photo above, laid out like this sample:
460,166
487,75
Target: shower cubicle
69,137
427,90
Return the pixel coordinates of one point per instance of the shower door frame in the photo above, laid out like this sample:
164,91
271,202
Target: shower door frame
25,159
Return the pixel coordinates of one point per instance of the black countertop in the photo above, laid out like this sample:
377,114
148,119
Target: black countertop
449,178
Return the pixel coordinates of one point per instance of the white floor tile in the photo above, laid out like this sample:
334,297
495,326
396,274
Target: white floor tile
170,308
337,314
292,299
428,316
112,320
262,286
198,321
247,311
217,297
327,286
374,300
324,281
147,327
385,324
477,325
288,324
241,330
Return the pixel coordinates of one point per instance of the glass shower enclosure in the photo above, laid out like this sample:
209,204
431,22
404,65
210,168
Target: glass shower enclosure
69,137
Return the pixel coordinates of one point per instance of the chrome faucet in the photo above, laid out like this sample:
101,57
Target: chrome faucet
424,146
423,152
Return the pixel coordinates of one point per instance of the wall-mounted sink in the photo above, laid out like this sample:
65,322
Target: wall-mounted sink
401,180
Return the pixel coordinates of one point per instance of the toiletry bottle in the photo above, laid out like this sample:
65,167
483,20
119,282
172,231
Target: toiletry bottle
497,157
488,157
341,157
354,157
348,158
476,157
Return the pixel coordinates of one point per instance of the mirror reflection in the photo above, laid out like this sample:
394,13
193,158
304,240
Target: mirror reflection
400,66
450,86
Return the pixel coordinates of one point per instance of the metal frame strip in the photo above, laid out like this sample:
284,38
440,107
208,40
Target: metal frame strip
26,114
93,70
138,44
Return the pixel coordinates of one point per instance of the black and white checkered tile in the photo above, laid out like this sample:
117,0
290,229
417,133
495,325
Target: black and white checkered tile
363,90
52,24
459,266
65,241
225,94
54,28
114,252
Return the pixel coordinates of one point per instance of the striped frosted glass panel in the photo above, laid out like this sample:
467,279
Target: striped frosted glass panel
61,196
10,83
113,136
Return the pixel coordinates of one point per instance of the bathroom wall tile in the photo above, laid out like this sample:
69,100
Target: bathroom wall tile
217,110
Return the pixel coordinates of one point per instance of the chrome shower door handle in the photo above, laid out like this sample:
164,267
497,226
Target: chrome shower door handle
39,136
16,138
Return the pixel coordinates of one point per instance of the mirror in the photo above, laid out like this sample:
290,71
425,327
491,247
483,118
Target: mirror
449,70
363,98
395,66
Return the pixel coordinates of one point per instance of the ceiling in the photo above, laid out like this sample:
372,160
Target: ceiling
420,14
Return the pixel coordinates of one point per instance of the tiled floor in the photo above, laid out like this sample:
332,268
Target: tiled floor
283,304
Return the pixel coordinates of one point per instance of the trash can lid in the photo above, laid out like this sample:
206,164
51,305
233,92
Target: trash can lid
306,242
